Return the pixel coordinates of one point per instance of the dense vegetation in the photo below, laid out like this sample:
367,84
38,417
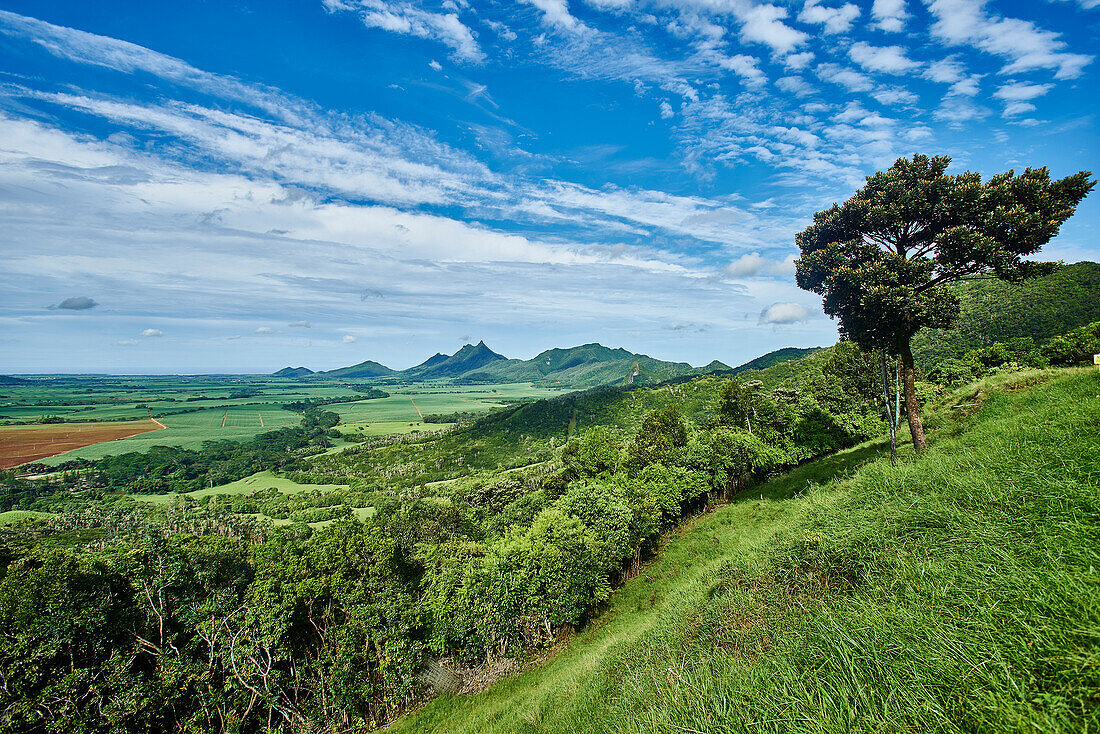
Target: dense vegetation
993,311
955,592
486,541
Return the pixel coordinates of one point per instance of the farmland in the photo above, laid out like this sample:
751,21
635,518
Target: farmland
197,409
22,444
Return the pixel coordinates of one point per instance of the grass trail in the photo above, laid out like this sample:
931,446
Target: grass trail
956,592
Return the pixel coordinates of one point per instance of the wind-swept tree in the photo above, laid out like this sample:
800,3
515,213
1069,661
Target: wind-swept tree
881,260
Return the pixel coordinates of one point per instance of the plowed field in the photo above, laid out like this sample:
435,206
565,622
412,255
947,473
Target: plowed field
21,444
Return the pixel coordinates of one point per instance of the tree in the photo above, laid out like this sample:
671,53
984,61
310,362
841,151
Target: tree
881,260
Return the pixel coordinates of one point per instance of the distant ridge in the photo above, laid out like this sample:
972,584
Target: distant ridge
587,365
764,361
368,368
6,380
293,372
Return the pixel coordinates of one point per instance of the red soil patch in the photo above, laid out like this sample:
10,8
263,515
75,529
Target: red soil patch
29,443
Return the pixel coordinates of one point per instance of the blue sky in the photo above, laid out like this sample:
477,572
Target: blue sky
237,186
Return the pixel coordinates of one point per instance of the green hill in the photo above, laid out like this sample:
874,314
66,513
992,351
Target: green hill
995,311
954,592
293,372
786,354
363,369
585,366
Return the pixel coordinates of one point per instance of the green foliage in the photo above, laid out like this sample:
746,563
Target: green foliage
1075,348
880,259
994,311
950,593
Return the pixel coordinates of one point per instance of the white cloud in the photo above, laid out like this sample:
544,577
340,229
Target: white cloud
783,313
435,65
764,24
795,85
798,61
753,264
149,333
405,18
348,339
850,79
895,96
832,20
556,13
300,325
1021,91
666,110
746,68
1014,109
889,15
264,330
882,59
1022,43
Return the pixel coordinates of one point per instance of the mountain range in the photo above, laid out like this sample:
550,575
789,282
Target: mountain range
587,365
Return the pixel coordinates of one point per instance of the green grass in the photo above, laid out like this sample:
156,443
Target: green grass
13,516
391,428
253,483
956,592
435,400
191,430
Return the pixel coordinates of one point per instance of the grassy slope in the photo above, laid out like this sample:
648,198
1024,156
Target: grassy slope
956,592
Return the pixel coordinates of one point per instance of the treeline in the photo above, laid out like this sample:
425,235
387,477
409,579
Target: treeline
1074,348
995,311
364,393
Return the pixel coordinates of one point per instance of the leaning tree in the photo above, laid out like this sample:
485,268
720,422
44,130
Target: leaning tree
882,259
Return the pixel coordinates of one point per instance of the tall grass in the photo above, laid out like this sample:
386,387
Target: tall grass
956,592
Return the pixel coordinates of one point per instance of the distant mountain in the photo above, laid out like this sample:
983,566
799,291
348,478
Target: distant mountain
470,358
293,372
587,365
363,369
764,361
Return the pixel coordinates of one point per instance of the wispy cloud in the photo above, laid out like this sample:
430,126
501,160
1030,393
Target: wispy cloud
407,18
1022,43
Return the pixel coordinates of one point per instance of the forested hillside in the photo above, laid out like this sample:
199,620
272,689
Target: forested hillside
955,592
996,311
391,568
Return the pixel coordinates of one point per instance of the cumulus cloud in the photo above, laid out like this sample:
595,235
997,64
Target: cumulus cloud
764,24
556,13
151,333
264,330
889,15
832,20
753,263
666,110
783,313
882,59
850,79
795,85
435,65
348,339
77,303
127,342
300,325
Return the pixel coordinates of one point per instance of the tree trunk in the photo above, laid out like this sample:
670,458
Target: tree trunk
889,417
916,428
897,392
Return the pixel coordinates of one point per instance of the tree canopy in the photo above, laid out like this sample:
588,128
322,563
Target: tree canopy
882,258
